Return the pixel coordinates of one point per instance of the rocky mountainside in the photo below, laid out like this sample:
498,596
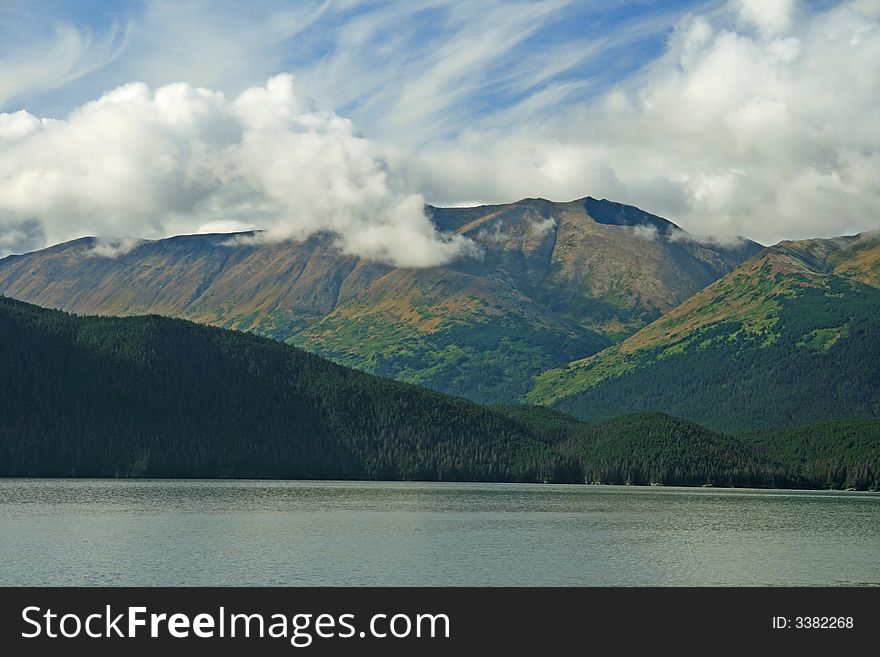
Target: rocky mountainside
556,282
791,336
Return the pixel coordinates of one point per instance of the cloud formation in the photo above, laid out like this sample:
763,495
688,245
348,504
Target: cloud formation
729,117
67,54
759,119
141,164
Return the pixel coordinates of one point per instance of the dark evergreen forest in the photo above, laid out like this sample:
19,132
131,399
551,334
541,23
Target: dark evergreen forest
157,397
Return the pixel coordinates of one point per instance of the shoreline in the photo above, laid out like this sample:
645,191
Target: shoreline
597,485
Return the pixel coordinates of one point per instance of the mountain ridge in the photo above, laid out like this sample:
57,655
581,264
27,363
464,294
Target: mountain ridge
803,300
555,283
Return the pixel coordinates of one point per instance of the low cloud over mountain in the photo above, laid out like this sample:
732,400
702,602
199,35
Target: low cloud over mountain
144,163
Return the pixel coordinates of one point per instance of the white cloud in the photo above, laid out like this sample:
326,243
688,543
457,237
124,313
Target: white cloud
770,17
542,227
758,117
645,232
728,241
492,235
225,226
868,7
769,133
143,164
113,248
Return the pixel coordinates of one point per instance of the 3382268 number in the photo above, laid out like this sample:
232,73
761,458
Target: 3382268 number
823,622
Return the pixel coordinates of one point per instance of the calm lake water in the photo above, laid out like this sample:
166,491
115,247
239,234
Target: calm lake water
288,533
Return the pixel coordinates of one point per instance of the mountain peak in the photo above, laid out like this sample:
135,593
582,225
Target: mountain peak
617,214
556,281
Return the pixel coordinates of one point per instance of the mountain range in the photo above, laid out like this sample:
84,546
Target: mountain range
554,283
591,307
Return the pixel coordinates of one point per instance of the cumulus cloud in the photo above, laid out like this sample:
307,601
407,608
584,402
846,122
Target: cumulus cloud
142,164
770,17
758,119
754,117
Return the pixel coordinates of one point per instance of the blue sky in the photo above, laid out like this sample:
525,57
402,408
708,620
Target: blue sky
730,117
585,45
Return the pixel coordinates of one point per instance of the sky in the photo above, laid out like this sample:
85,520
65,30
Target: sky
143,119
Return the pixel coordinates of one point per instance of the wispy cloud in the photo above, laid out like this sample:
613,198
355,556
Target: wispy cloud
56,60
457,65
753,117
405,72
753,121
220,45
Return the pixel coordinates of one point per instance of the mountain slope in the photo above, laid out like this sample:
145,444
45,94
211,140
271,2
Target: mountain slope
790,337
655,448
151,396
842,454
556,281
158,397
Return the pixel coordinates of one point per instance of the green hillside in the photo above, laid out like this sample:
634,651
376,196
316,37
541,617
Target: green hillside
843,454
790,337
655,448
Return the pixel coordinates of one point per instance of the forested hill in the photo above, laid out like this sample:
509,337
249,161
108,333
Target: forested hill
152,396
790,337
158,397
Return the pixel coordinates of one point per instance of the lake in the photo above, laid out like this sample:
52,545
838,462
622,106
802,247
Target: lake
291,533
